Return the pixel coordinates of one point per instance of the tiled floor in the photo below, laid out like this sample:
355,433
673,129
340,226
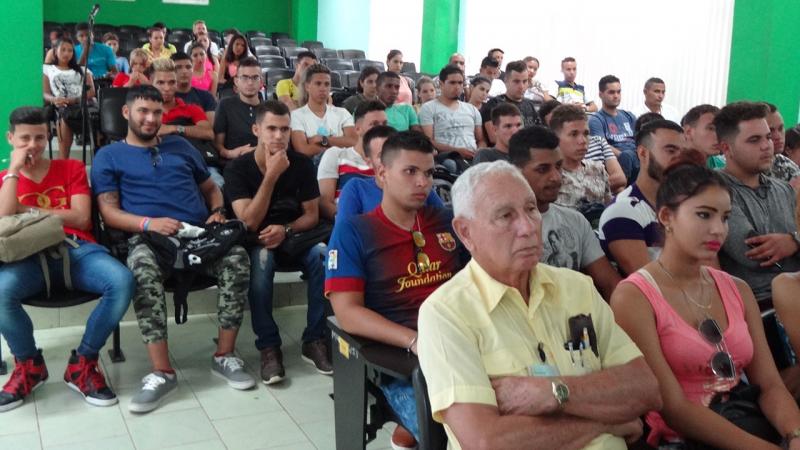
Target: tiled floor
203,414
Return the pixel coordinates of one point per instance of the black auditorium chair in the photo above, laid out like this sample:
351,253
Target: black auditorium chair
285,42
409,67
312,45
352,54
339,64
359,64
267,50
112,124
326,53
359,364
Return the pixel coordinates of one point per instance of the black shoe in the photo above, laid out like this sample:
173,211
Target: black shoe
272,370
316,353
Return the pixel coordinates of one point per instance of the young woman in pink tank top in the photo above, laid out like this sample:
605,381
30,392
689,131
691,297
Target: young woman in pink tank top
699,328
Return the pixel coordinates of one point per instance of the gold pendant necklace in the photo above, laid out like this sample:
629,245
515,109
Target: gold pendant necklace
685,295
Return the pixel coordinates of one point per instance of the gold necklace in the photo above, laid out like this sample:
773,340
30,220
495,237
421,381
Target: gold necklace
685,295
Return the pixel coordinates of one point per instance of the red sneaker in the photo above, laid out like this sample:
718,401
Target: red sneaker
84,377
402,439
28,375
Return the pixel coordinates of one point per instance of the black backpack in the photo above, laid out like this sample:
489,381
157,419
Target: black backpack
186,258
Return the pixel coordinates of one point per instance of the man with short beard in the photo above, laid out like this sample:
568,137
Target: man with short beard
235,116
629,230
156,184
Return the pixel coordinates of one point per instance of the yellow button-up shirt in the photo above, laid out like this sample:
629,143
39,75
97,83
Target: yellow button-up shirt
167,50
474,327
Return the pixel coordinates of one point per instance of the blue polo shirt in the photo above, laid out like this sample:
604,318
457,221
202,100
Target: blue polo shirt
165,184
101,58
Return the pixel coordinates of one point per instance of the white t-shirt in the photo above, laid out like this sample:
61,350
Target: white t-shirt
331,124
213,48
455,127
568,239
63,83
667,112
342,165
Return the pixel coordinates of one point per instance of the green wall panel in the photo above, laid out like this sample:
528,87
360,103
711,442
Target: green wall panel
263,15
764,54
304,20
440,19
21,81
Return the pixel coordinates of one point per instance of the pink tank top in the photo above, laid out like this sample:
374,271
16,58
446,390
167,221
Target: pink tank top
688,353
405,95
202,82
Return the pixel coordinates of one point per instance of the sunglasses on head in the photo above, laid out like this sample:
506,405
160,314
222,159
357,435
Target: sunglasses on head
423,261
721,362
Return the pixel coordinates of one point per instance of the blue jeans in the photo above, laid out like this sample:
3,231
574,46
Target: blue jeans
92,269
400,395
629,161
262,273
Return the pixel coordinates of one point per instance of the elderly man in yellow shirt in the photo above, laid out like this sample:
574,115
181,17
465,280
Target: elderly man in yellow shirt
518,354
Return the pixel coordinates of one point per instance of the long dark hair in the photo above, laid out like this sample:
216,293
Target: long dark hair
229,55
73,62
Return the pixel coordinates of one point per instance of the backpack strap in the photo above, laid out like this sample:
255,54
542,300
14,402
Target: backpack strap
183,283
45,272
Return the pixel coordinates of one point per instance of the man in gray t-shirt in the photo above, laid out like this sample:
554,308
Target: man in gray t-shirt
568,239
452,125
762,234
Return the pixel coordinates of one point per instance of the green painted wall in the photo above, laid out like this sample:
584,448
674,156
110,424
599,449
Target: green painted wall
263,15
440,19
21,81
764,54
304,20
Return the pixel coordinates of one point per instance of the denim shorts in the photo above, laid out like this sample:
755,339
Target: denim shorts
400,395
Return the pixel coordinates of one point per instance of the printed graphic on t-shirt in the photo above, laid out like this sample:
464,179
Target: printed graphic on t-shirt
560,248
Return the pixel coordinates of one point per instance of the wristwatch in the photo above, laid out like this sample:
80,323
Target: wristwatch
219,210
181,130
325,142
287,229
560,391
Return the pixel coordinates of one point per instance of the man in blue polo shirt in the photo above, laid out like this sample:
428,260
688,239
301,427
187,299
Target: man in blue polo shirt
382,265
362,195
158,184
102,60
616,125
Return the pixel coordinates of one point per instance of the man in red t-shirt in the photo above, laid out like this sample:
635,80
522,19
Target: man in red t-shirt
186,120
33,184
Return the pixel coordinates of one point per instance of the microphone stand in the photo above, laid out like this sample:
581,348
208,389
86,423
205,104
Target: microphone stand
85,88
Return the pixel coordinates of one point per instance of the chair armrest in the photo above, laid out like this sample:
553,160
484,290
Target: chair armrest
388,359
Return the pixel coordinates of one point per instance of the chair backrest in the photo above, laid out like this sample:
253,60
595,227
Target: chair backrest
312,44
285,42
352,54
350,78
336,79
292,52
256,41
431,434
326,53
409,67
112,123
276,74
361,63
255,33
339,64
275,35
131,28
267,50
271,61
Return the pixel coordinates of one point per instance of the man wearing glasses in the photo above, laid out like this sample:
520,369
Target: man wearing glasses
382,265
152,183
235,116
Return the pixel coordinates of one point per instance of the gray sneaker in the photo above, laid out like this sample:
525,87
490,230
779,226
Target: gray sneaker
155,386
231,369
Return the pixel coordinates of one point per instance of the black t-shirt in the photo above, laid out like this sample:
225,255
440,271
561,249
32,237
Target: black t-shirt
200,98
526,107
297,184
235,118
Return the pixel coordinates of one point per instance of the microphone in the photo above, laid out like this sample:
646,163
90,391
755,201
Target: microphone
95,10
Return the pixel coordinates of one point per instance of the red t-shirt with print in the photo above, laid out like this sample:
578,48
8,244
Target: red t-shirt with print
65,178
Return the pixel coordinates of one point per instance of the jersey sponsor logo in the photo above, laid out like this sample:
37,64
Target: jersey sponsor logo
418,277
333,256
446,241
